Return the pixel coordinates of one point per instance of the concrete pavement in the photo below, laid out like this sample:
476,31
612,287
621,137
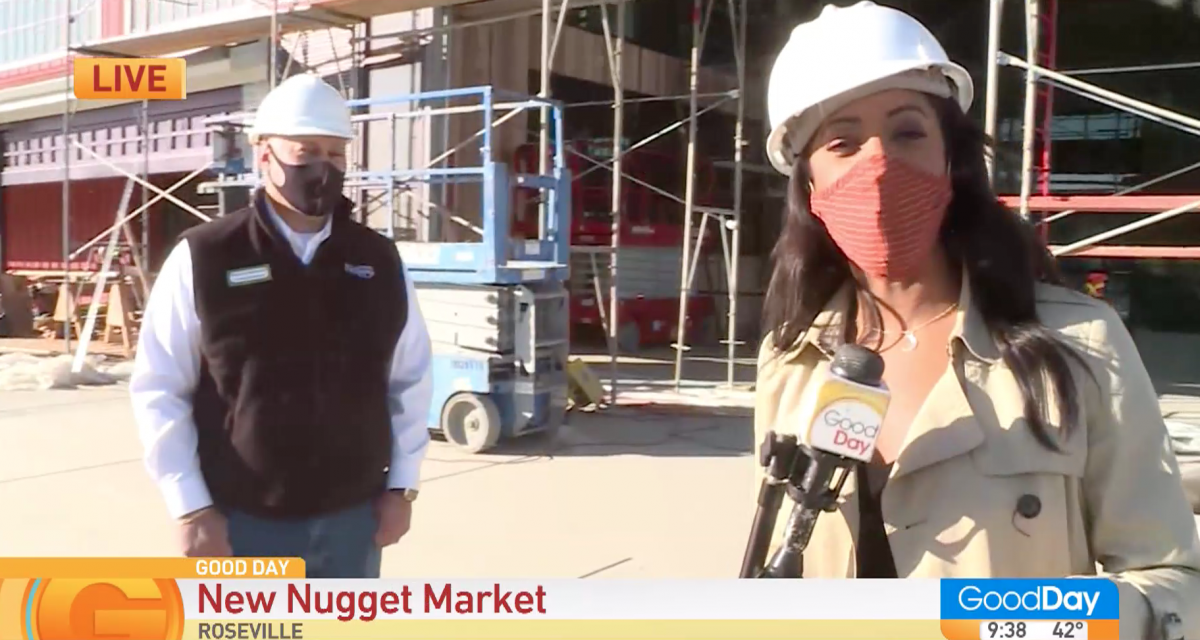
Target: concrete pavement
628,494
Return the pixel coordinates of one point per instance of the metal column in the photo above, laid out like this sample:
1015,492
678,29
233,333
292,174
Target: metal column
1028,122
272,58
616,64
690,188
544,113
738,18
66,185
995,17
145,248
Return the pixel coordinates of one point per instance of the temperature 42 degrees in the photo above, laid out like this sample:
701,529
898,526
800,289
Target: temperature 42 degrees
1041,630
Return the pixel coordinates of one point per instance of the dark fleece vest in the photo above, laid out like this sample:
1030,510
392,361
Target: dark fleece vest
292,406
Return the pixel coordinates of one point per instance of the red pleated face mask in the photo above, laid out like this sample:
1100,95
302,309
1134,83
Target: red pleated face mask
884,214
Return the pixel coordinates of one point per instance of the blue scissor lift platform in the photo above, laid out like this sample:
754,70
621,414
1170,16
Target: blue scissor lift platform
497,309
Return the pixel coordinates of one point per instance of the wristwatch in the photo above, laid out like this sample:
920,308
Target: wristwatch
410,495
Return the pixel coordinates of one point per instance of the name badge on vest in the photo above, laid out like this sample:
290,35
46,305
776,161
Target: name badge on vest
364,271
248,275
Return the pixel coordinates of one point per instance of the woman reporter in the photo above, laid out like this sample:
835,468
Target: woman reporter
1024,438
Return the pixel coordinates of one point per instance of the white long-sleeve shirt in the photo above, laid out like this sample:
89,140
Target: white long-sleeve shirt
167,370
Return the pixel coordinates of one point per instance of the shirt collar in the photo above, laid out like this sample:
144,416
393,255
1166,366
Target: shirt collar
969,327
289,232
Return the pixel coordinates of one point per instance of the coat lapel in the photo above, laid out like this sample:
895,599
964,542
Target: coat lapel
945,427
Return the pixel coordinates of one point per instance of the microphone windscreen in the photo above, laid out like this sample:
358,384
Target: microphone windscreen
858,364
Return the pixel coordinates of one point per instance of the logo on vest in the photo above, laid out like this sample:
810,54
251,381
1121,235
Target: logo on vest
248,275
364,271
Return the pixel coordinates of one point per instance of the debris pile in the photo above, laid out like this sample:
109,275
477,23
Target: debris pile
26,372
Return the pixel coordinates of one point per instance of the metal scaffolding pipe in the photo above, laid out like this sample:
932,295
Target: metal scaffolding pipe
89,324
1136,187
66,185
682,96
615,48
273,58
638,181
138,211
143,265
1125,102
738,19
607,164
544,112
991,98
652,137
1124,107
1029,125
558,30
1170,66
690,188
1123,229
176,201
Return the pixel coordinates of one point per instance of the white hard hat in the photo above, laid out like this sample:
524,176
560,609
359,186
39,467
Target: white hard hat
302,105
845,54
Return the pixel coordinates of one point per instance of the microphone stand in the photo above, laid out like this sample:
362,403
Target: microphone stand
777,454
812,480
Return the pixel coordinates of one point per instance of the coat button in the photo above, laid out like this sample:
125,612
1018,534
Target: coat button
1029,506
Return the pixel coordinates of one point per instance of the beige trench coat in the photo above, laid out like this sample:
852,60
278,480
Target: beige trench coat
1113,502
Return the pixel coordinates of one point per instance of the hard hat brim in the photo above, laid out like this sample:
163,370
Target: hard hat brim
961,89
297,131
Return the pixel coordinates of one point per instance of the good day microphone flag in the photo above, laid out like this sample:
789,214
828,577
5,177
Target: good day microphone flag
269,599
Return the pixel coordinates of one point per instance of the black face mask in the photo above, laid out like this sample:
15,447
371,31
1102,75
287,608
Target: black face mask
314,189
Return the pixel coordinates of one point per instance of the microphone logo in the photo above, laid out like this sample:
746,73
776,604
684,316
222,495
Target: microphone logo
844,422
847,427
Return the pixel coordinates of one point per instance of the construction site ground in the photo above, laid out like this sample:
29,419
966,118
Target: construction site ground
633,491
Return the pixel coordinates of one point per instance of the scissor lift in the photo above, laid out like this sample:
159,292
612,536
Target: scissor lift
496,309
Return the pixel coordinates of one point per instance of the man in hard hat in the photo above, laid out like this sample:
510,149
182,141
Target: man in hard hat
282,378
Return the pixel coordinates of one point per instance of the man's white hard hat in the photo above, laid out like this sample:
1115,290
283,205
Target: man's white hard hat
845,54
302,105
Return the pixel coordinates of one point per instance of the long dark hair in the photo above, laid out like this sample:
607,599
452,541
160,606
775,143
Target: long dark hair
1003,257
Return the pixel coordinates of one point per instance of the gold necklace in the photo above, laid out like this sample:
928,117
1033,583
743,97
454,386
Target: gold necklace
909,336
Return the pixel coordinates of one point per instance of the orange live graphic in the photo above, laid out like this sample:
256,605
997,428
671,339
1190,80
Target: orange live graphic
89,609
130,78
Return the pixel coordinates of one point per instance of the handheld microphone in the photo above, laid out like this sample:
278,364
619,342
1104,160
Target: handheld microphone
848,409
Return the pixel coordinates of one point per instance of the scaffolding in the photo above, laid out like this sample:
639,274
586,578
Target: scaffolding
553,13
278,17
1041,80
727,220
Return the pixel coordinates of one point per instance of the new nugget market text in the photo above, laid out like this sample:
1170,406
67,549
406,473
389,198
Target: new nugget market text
366,605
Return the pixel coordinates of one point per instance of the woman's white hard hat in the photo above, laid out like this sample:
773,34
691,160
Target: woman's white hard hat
302,105
845,54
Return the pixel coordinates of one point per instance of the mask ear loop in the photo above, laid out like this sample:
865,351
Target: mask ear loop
266,169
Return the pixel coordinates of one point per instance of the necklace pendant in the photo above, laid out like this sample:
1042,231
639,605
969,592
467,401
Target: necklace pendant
910,341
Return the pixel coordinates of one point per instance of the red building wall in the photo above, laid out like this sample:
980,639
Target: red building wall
32,232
